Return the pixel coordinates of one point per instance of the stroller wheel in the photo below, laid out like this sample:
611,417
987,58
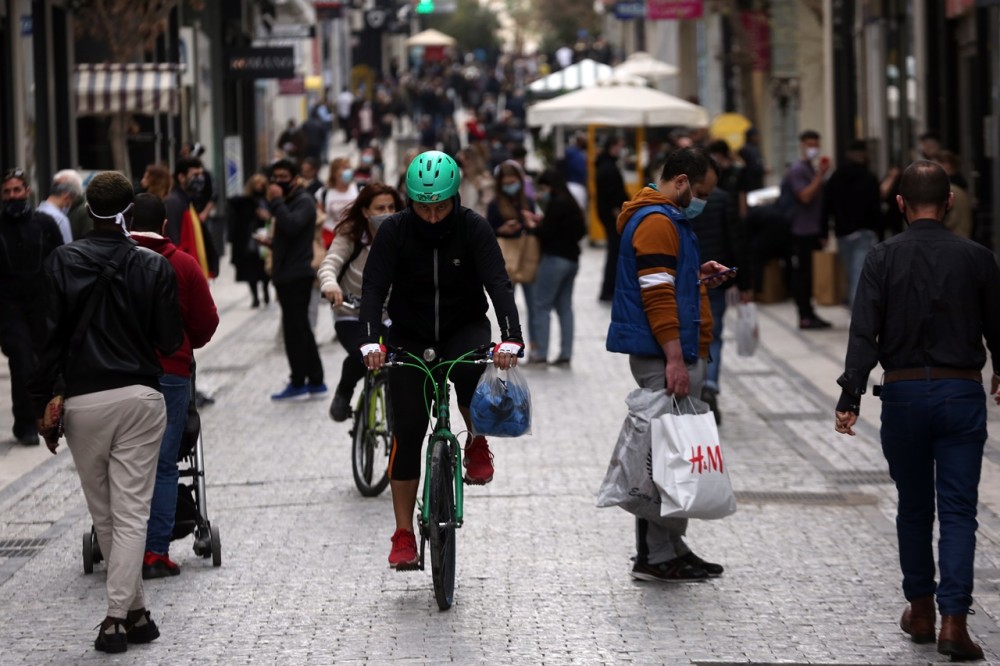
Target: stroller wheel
88,553
216,546
98,555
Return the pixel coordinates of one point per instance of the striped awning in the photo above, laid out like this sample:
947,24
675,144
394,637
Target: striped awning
103,88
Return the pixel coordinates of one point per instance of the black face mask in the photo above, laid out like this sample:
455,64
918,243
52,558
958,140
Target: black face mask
196,184
17,208
286,187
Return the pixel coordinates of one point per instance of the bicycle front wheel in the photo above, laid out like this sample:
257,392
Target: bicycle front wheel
372,441
442,523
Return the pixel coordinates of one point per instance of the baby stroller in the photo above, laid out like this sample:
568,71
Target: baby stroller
192,512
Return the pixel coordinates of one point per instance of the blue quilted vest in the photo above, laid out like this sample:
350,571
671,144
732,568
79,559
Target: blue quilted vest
629,332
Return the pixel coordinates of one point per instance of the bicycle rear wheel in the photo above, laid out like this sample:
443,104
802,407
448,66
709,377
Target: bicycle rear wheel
442,523
372,440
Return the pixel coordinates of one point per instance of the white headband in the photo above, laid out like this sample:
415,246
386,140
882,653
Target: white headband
119,218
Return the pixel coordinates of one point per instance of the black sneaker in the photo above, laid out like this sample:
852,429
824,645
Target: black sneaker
141,628
340,408
713,570
673,571
111,636
813,324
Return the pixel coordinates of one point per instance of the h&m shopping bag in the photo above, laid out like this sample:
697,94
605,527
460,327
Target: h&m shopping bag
688,467
629,480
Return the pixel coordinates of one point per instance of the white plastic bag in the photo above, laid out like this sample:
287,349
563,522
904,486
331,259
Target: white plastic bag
629,481
688,467
501,404
747,329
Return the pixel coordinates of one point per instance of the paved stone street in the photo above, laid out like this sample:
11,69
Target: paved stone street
812,574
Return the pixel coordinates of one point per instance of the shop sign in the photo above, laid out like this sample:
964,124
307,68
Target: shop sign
758,35
659,10
262,63
627,11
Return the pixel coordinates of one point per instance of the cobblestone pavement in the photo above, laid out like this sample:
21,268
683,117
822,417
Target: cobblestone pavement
811,577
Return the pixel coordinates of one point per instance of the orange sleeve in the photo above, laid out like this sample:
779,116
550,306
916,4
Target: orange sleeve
656,246
707,321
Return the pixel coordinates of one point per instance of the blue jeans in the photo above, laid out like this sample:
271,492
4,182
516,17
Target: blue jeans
553,289
717,300
853,248
176,394
933,434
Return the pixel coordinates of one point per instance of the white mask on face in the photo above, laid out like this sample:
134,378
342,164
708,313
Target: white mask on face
812,153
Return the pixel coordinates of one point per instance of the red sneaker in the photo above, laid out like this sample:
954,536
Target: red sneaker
404,550
478,462
155,565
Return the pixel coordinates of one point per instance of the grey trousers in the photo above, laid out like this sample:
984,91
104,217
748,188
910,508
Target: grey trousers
662,541
114,437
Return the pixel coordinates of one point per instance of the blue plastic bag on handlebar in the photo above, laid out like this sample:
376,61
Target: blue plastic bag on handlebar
501,405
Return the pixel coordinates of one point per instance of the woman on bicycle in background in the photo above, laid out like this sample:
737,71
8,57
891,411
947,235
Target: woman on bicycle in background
340,273
437,257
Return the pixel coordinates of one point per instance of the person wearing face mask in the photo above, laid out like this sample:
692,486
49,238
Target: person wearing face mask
340,279
26,239
804,180
512,214
245,216
184,225
293,213
436,261
661,317
333,199
67,187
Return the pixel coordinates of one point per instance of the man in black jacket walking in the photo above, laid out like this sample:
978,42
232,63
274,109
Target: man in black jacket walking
114,411
294,215
611,194
26,239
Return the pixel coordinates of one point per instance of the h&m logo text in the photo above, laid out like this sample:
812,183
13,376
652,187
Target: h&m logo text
711,461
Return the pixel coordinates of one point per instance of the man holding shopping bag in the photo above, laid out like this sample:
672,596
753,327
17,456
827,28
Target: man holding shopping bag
661,318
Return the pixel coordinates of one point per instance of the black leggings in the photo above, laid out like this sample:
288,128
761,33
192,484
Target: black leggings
412,391
350,333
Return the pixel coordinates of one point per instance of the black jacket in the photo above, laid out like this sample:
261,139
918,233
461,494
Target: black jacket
25,243
722,237
611,193
562,228
137,317
294,230
851,197
926,298
438,273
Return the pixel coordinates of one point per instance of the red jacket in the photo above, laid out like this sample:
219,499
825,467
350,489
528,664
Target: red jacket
196,304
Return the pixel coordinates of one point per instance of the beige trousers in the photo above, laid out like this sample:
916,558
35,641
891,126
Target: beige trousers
114,437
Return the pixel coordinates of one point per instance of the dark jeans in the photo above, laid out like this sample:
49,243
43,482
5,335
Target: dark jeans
300,345
353,370
176,392
932,436
21,327
412,393
717,299
611,259
802,273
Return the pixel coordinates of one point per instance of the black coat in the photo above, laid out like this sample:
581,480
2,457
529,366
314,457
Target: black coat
611,192
241,222
292,241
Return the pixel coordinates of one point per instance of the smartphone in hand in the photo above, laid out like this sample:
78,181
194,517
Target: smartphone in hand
727,272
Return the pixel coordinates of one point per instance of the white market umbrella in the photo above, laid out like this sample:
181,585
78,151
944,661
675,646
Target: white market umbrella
642,64
581,74
617,105
430,37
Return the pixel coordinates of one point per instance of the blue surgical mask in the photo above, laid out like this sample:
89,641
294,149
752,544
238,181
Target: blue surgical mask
510,189
367,159
347,175
695,208
543,198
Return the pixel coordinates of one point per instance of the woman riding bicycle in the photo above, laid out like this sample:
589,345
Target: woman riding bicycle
340,274
437,257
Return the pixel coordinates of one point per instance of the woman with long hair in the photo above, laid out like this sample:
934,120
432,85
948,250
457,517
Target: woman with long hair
512,214
560,231
246,214
334,198
340,280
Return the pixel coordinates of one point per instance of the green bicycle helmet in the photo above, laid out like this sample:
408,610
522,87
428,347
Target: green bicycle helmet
432,176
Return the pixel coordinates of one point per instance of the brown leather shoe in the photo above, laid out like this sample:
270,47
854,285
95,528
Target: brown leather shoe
954,639
918,620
